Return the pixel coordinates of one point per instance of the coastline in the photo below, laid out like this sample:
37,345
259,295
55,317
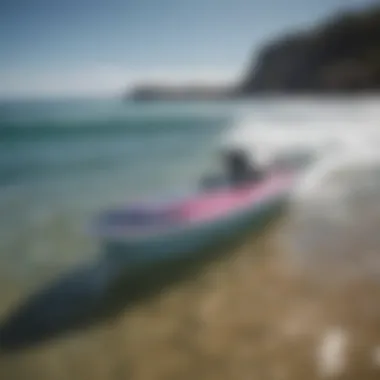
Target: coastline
337,57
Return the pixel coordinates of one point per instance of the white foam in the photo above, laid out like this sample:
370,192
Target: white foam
336,201
331,353
341,138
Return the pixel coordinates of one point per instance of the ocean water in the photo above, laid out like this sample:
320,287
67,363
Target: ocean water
61,162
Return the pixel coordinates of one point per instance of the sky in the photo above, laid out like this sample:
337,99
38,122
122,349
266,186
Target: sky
96,47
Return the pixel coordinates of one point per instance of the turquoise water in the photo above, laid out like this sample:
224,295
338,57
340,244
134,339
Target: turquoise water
61,162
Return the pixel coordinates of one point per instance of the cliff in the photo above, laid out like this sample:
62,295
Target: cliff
179,93
342,55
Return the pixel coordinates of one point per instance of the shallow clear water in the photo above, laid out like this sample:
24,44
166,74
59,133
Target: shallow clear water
61,162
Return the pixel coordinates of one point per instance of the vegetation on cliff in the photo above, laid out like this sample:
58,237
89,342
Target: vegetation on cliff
342,55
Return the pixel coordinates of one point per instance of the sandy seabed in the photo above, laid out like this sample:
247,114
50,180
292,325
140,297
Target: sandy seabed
250,315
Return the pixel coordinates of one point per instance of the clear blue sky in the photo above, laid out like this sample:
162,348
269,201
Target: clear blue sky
63,47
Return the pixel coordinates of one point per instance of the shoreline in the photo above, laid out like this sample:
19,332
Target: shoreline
248,314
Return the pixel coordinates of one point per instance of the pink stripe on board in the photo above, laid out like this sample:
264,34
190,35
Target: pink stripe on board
217,204
204,207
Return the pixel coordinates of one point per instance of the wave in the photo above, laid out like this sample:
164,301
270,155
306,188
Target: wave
115,126
332,226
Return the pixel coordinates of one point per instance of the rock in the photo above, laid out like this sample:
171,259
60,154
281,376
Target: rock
340,56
